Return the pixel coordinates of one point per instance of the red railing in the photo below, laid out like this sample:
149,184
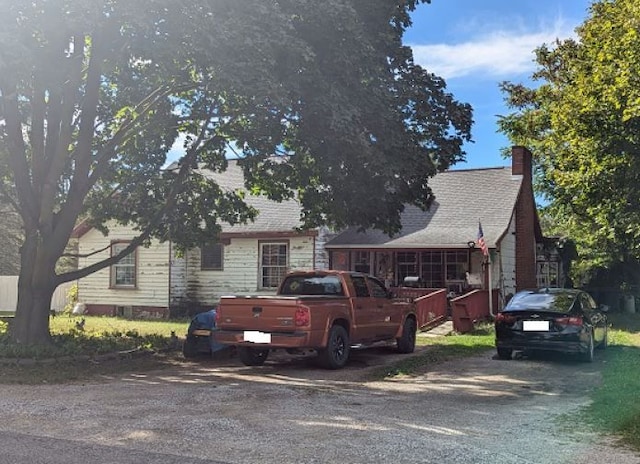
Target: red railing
431,304
470,308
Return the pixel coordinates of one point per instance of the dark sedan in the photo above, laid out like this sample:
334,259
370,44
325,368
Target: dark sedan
551,319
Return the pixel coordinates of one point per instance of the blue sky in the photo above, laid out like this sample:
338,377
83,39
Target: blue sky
474,45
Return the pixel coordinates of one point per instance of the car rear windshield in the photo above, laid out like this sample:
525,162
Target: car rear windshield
312,285
557,302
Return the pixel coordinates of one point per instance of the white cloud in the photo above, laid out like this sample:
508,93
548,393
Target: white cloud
499,54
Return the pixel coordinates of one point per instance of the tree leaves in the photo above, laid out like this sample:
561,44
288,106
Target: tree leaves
105,88
582,125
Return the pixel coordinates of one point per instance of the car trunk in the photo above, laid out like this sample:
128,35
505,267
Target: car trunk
523,321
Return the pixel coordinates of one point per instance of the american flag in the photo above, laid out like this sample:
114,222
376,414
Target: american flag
480,242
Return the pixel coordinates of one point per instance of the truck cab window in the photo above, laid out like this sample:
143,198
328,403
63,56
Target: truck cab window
377,289
360,286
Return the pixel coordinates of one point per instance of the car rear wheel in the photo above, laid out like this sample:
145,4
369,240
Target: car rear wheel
605,339
587,356
336,354
252,356
505,353
190,347
407,342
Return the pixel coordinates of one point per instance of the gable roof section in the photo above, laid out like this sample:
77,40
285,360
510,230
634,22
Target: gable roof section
462,197
276,219
272,216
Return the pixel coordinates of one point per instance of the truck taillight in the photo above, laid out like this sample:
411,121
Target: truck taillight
303,316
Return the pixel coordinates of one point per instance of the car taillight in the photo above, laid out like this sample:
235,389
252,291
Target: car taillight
505,318
576,320
303,316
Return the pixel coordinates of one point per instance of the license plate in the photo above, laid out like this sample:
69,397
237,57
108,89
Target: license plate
202,332
535,326
255,336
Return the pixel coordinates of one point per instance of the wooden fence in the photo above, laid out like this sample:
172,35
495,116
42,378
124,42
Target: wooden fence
9,294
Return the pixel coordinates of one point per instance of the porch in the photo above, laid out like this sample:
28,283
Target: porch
434,307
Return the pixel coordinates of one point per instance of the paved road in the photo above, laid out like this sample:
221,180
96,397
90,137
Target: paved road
478,410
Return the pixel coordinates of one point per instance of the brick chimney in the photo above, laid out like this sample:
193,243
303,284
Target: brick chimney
521,164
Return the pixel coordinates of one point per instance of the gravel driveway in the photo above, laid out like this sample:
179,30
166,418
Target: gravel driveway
476,410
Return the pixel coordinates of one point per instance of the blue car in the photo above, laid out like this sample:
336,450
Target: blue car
201,337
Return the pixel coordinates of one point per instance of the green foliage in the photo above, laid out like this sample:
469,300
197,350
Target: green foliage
582,125
322,99
100,335
614,407
72,299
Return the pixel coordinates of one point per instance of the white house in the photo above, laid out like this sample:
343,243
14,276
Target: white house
249,259
436,246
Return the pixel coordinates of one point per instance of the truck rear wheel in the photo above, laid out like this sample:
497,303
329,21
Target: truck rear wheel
407,341
336,354
252,356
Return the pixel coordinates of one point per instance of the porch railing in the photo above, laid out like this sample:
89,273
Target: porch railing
470,308
431,304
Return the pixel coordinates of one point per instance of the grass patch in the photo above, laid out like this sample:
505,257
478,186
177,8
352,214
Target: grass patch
81,347
439,349
615,408
96,335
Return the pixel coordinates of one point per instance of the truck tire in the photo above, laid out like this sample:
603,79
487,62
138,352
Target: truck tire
252,356
336,354
407,341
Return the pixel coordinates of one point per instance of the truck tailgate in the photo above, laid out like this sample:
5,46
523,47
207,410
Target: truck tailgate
258,313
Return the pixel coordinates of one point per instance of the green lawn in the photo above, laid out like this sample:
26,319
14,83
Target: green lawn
91,335
616,408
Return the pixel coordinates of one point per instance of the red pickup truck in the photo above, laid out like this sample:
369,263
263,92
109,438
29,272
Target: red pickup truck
327,312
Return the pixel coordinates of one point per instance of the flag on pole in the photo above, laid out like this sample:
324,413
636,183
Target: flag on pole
480,242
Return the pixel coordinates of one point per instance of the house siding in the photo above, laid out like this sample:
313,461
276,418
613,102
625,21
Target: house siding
241,266
151,294
178,280
508,260
321,258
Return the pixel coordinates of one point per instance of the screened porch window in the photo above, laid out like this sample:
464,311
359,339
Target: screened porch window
362,261
432,269
407,265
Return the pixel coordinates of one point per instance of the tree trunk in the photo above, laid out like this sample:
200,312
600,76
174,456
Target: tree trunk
36,284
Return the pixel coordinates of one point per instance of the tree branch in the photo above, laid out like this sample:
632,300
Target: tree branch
185,168
18,157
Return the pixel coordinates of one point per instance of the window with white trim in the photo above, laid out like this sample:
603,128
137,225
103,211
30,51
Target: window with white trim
274,258
123,273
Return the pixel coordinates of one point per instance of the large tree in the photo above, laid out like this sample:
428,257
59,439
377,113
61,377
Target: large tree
583,124
320,99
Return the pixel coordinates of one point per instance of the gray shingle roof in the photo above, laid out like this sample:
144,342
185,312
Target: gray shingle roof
272,216
462,197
